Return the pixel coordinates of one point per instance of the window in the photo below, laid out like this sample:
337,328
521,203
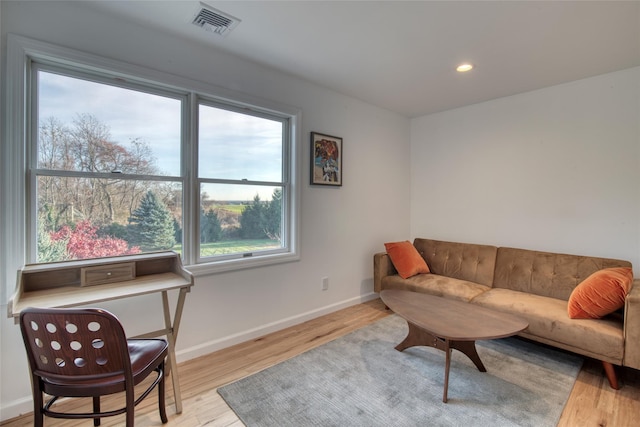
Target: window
241,189
105,166
122,160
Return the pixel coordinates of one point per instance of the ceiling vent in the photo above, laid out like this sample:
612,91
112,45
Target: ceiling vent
214,21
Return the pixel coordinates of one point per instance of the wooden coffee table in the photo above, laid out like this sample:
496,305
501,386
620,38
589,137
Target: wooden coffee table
448,324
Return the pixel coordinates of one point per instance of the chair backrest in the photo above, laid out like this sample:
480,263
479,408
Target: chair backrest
74,344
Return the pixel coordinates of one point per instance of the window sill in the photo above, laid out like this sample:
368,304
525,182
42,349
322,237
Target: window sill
209,268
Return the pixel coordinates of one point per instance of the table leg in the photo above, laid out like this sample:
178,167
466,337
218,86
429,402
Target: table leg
419,337
447,365
172,333
469,349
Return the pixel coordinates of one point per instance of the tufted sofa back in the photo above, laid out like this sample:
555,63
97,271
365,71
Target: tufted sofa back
544,273
464,261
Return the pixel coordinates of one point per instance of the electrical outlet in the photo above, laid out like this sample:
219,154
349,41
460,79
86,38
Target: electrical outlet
325,283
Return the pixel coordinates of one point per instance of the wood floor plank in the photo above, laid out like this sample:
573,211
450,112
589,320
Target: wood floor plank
592,402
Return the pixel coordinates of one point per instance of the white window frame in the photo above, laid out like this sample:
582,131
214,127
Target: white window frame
15,226
284,181
32,123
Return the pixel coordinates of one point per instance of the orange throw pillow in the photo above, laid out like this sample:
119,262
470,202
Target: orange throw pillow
406,259
600,294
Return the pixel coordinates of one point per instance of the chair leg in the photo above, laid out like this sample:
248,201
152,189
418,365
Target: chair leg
611,375
161,400
38,403
130,408
96,409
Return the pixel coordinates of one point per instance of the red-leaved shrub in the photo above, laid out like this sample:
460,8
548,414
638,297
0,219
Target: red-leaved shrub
83,242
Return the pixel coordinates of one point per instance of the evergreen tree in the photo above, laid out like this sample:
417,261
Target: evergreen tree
50,250
177,230
114,230
252,219
151,225
273,215
210,228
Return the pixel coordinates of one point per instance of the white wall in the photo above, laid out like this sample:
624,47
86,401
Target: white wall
556,169
341,227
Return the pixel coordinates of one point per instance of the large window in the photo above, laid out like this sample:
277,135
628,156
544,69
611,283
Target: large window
117,163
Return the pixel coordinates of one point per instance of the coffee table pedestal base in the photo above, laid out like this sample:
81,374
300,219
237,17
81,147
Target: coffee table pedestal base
419,337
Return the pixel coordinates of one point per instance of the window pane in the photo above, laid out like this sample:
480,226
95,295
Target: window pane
94,127
89,218
239,219
237,146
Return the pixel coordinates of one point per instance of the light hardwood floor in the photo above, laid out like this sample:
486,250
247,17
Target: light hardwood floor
592,401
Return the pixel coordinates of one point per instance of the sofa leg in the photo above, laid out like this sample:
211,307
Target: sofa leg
609,369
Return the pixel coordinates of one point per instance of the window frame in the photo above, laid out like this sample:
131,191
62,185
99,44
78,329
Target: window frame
34,171
284,182
18,189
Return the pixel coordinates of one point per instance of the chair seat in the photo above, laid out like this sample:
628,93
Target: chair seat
144,354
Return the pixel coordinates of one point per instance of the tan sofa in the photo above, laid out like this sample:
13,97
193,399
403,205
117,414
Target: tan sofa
533,285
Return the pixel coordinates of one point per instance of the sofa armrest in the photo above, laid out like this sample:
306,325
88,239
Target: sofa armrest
632,327
382,266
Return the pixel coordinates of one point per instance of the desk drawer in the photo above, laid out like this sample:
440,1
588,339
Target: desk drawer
111,273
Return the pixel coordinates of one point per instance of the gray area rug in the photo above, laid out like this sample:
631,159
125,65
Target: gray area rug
361,380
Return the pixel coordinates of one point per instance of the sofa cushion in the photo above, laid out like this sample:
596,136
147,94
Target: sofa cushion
600,294
546,274
406,259
464,261
435,284
548,320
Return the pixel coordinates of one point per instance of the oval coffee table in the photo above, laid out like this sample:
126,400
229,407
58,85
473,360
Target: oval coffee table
448,324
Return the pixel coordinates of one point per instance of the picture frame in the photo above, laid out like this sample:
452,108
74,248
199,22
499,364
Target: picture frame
326,159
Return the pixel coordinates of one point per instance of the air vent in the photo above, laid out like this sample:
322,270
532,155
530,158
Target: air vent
214,21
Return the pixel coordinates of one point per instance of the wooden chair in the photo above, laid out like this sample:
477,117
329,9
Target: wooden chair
85,353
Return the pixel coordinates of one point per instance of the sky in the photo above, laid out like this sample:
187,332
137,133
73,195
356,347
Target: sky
155,119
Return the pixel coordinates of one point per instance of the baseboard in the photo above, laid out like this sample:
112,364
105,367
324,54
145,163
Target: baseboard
17,407
218,344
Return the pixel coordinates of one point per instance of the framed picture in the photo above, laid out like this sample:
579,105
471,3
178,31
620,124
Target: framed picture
326,159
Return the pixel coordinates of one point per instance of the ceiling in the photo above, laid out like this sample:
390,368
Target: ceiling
401,56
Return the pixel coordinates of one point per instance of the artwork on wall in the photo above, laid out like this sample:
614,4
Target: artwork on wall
326,159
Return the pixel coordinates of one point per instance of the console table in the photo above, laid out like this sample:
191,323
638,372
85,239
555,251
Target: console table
89,282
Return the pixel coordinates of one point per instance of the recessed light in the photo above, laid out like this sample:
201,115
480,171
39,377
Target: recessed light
463,68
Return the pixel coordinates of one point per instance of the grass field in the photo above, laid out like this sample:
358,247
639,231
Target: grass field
232,208
234,211
233,246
